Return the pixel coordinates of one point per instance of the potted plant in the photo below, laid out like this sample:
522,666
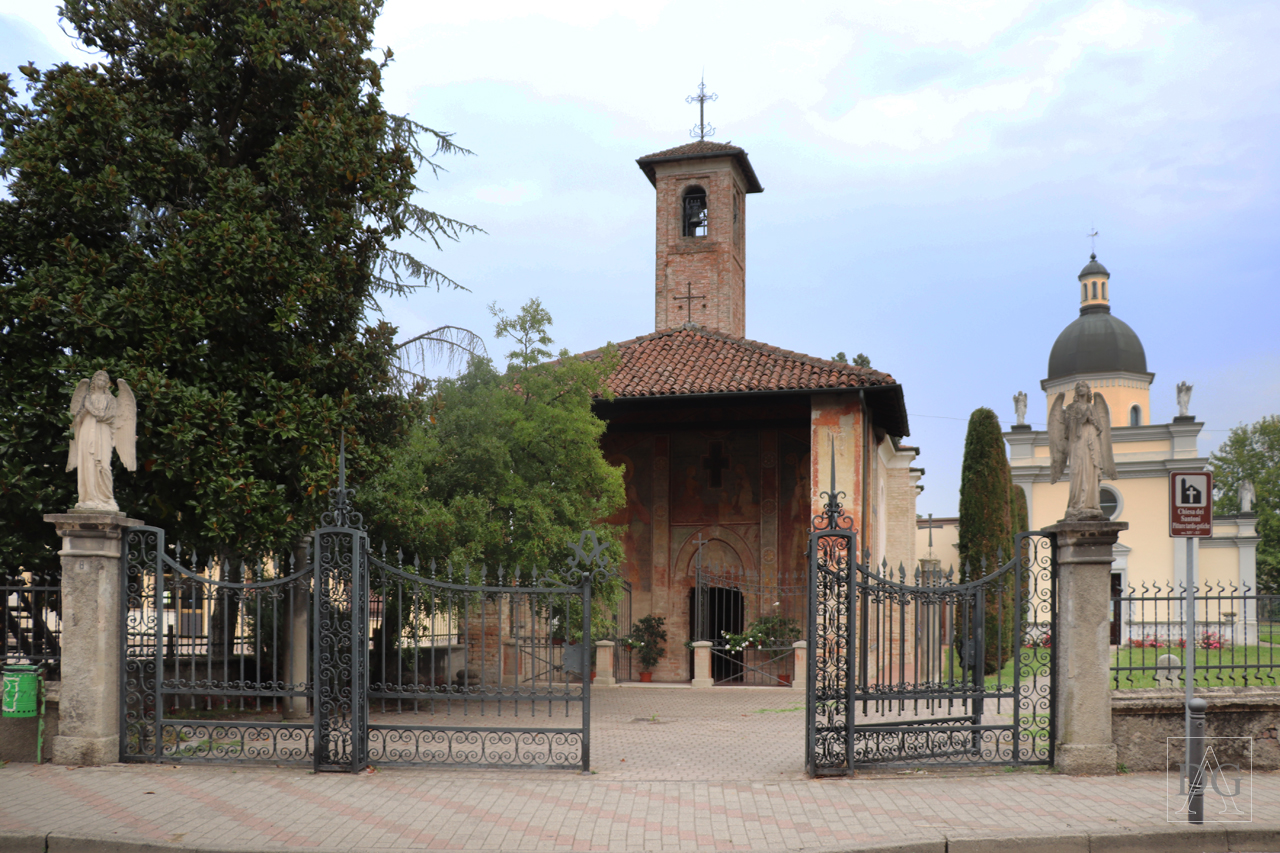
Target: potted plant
647,636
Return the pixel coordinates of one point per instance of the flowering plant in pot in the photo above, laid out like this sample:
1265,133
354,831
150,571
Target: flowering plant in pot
647,636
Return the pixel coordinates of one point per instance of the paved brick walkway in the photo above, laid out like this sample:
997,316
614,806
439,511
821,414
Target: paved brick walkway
716,770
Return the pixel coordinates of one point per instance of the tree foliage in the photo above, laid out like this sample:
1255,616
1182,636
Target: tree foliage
860,360
1253,453
986,527
502,467
209,210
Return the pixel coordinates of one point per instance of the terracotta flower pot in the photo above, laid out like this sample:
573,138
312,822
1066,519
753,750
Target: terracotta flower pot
646,677
785,679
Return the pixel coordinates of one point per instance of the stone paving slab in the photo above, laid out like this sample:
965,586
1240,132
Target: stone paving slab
717,770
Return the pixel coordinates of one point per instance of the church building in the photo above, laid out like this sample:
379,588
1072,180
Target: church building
1102,350
726,442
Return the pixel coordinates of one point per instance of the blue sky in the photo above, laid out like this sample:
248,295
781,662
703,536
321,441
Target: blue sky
931,170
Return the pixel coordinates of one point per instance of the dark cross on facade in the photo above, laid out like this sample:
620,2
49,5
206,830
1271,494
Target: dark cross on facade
702,130
932,527
689,297
715,463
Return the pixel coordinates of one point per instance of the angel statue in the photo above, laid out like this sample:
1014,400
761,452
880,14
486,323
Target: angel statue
100,421
1184,398
1247,495
1080,434
1020,407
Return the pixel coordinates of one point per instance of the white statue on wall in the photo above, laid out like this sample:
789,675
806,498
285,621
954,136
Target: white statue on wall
1184,398
100,422
1247,495
1020,407
1080,436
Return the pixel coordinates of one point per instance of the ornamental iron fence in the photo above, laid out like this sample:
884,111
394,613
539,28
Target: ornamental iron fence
32,612
1236,643
926,671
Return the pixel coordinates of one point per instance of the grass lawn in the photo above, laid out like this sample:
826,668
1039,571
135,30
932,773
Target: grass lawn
1031,660
1259,665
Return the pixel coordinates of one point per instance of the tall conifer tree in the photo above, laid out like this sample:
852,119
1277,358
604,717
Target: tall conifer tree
986,527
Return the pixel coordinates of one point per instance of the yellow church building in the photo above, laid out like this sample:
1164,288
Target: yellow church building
1102,350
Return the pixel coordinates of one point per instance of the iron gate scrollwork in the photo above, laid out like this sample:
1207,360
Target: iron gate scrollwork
213,658
925,671
337,658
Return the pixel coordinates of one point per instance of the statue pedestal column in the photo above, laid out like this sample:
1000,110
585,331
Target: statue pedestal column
92,588
1082,680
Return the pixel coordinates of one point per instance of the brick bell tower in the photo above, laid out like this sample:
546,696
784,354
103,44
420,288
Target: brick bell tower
701,246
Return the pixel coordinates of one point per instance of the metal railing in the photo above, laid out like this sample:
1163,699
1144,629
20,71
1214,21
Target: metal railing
31,614
1236,642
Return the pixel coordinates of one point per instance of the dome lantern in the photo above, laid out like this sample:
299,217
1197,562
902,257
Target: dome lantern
1093,283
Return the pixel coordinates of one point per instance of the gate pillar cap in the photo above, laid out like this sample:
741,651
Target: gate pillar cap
1087,532
701,644
90,533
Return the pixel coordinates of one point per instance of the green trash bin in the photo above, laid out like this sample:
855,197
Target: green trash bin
21,690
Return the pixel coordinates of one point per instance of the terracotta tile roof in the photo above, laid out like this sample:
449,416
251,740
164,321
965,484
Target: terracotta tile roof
701,150
692,360
702,147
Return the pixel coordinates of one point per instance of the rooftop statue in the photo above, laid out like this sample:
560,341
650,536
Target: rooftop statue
1020,407
1080,438
1184,398
100,422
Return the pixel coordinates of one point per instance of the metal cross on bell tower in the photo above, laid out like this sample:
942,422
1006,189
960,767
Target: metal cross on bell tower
702,130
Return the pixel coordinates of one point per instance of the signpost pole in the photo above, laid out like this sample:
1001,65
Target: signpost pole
1190,518
1189,632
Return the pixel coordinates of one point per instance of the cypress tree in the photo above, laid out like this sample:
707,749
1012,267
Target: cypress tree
986,528
1021,519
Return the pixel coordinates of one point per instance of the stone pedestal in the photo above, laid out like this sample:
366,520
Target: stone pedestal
1084,744
702,664
89,708
604,665
800,673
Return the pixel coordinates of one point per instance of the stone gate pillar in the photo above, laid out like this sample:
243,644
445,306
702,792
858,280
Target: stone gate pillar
92,596
1084,745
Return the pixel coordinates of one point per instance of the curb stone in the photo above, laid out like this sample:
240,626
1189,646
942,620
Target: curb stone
1181,840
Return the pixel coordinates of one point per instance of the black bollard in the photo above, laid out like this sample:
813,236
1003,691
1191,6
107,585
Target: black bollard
1195,762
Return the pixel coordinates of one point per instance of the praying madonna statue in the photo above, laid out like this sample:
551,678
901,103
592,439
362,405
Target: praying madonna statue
100,422
1080,437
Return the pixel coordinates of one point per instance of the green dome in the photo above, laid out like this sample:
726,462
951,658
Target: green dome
1096,342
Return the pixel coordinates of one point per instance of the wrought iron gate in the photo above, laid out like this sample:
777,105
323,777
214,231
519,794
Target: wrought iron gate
344,658
927,671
